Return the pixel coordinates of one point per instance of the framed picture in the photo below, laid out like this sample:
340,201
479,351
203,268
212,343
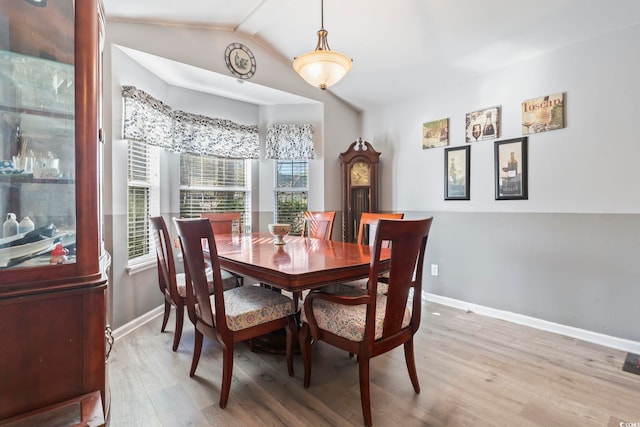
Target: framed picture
543,114
457,168
435,134
511,169
483,124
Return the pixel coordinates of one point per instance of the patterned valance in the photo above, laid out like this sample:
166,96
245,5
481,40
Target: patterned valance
146,119
289,142
197,134
149,120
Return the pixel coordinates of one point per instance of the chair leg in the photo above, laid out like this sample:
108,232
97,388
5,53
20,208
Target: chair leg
197,349
227,371
179,322
365,397
305,347
167,311
292,333
411,364
297,296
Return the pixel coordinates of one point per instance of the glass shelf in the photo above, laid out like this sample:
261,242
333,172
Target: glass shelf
36,85
37,135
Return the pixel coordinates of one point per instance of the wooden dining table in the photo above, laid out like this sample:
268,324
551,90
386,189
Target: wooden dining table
300,264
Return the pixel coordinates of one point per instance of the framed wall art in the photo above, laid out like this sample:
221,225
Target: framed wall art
511,169
457,172
543,114
435,134
483,124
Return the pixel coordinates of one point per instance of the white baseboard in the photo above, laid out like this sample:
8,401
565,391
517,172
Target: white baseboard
581,334
520,319
137,322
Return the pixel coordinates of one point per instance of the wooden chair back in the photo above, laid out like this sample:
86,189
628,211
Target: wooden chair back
408,241
368,221
164,255
193,232
318,225
222,222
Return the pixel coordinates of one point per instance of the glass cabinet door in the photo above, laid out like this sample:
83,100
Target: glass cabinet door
37,133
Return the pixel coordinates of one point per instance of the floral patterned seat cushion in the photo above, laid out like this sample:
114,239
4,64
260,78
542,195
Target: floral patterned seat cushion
228,281
248,306
348,321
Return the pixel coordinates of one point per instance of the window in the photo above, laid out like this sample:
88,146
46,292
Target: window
215,184
292,189
143,198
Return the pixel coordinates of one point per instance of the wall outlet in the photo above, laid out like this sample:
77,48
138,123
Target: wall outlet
434,269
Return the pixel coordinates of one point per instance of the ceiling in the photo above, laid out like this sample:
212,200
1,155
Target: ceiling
398,47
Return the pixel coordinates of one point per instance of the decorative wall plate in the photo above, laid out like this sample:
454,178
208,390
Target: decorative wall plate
240,61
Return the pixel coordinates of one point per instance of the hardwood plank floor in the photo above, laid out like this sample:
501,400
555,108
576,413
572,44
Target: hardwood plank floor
473,371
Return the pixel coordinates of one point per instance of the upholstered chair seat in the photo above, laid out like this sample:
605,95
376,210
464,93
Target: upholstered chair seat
349,321
247,306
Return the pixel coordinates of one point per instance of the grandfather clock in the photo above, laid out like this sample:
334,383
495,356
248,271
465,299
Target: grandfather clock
359,186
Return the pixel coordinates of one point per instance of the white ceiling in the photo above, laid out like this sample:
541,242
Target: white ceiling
402,45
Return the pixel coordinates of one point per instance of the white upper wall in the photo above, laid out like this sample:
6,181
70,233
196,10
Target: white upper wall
590,166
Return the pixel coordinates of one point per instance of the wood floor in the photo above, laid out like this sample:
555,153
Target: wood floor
473,371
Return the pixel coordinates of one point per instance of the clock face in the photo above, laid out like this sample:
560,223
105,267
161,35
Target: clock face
360,174
240,61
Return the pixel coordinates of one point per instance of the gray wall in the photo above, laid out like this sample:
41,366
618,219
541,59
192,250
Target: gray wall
569,253
579,270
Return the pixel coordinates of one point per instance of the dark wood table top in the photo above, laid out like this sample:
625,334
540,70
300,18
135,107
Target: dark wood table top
301,263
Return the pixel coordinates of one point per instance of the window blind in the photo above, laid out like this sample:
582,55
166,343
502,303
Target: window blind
291,184
212,184
143,197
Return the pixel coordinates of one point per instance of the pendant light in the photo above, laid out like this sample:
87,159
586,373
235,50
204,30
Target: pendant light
322,67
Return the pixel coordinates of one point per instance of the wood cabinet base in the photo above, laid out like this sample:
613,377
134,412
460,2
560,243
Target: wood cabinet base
84,410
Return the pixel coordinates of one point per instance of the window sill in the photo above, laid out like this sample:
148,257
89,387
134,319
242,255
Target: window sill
141,265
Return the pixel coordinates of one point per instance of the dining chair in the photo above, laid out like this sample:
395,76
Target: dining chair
223,223
366,232
373,323
231,316
172,284
318,225
368,222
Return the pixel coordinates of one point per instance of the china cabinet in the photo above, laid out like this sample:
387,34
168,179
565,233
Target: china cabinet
359,186
52,308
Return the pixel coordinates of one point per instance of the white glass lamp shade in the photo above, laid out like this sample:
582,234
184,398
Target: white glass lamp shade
322,68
